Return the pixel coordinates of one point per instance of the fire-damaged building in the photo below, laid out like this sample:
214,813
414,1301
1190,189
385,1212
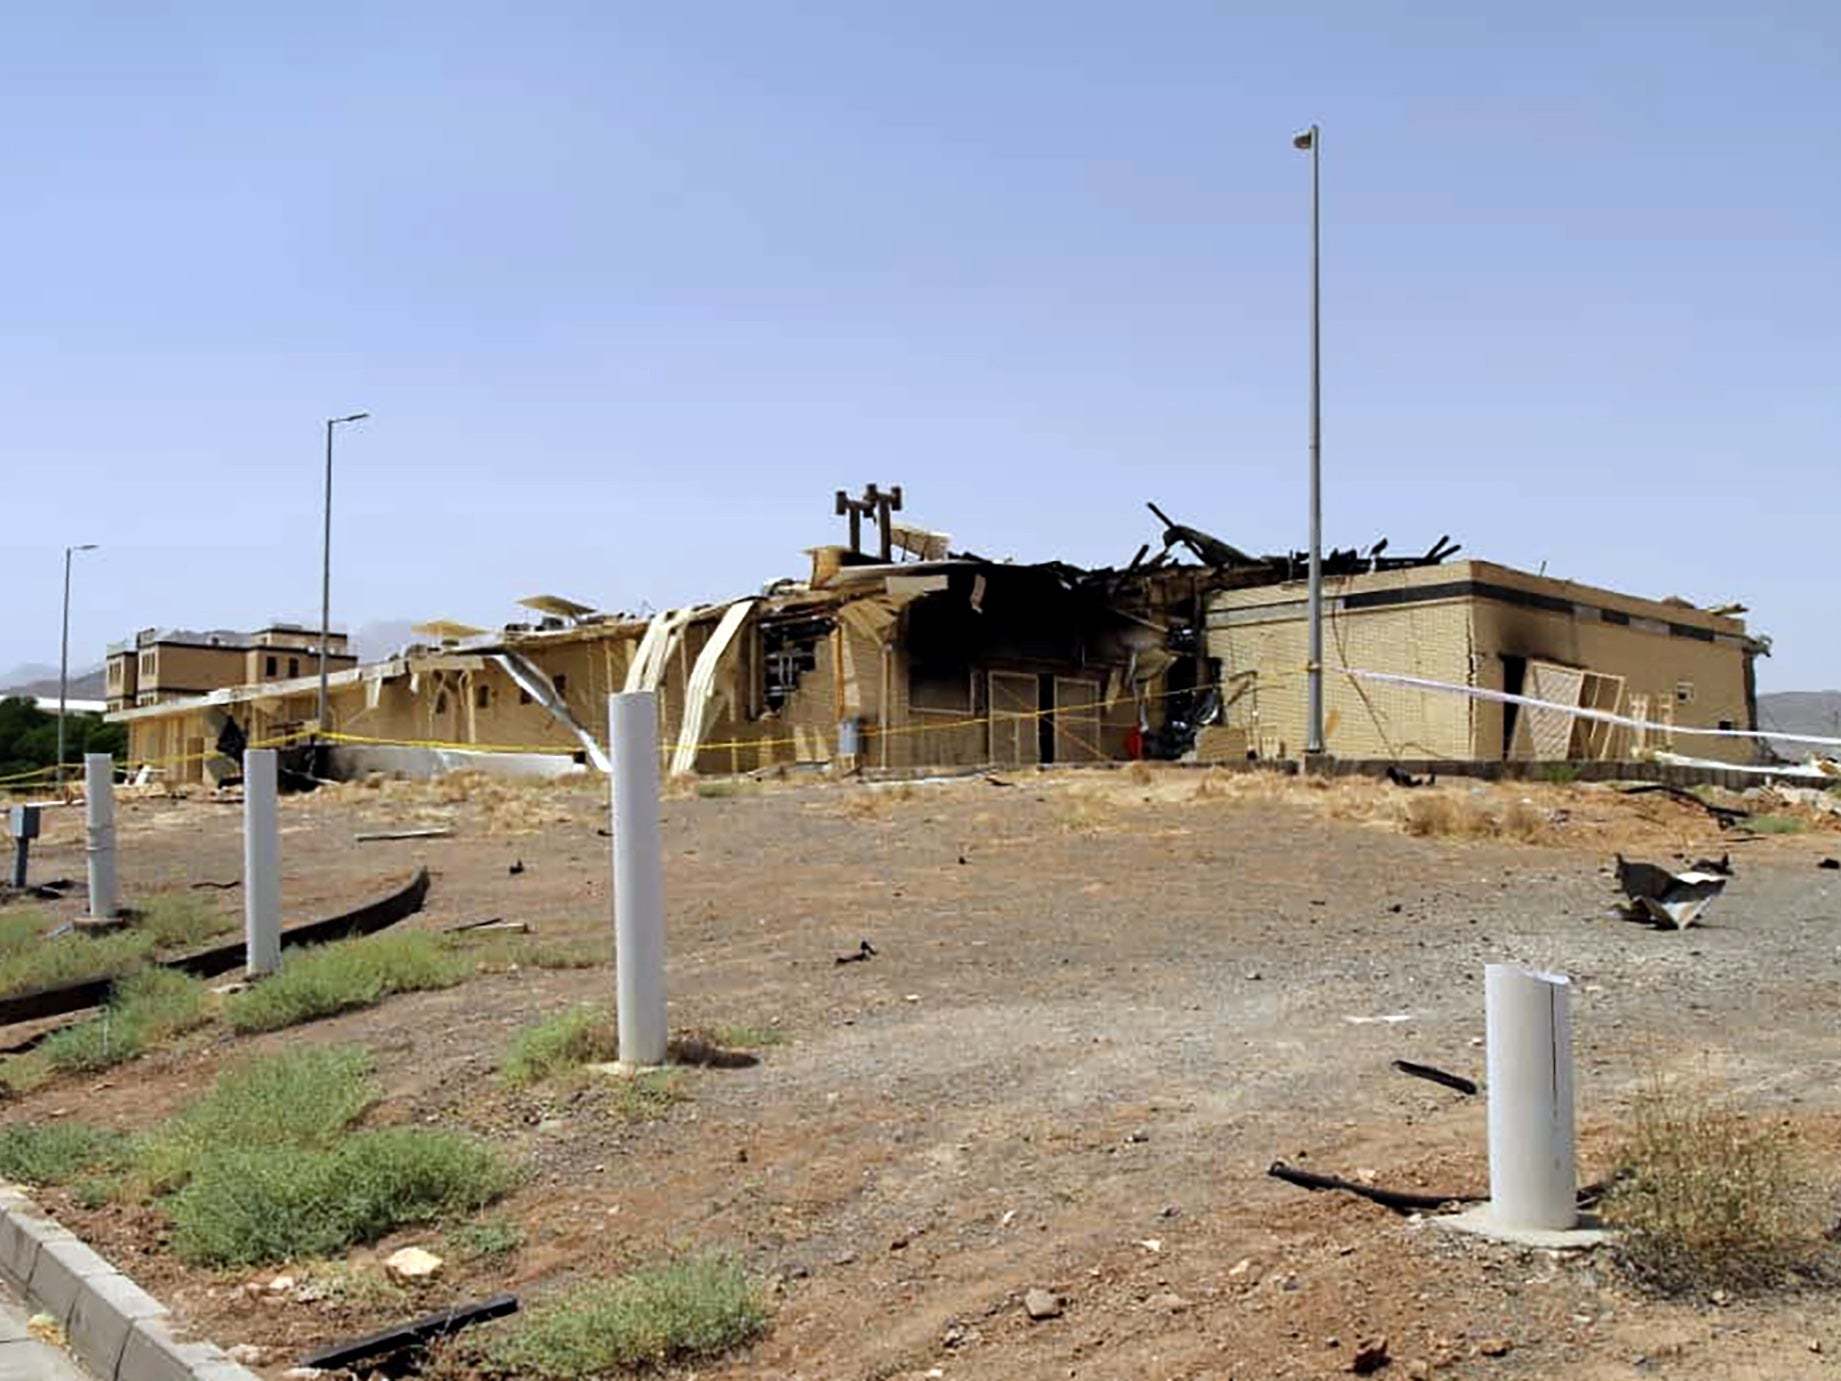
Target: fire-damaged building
896,652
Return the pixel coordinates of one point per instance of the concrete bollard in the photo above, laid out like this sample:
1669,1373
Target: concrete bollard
261,864
99,816
1532,1182
639,883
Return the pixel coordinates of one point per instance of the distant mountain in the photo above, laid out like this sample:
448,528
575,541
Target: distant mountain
35,678
1800,712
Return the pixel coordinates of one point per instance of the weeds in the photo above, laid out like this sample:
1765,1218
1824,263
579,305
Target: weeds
145,1008
1712,1200
657,1317
248,1207
58,1152
264,1167
340,977
748,1037
579,1036
305,1098
26,966
181,920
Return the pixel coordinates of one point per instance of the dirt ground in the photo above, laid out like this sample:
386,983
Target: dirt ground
1102,1004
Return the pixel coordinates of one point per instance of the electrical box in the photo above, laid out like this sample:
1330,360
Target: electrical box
22,821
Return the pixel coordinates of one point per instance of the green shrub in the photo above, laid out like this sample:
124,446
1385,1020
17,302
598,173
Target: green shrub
579,1036
337,978
1712,1198
1560,773
659,1316
145,1007
250,1207
57,1152
181,920
303,1099
34,963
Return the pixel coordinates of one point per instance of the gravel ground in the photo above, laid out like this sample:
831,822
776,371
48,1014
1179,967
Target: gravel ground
1102,1003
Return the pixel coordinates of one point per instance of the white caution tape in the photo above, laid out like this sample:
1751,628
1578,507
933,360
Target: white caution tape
1602,716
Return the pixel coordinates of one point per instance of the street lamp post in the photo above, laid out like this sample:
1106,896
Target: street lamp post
64,660
1311,140
326,562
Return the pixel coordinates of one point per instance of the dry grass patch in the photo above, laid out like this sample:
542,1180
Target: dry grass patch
1469,814
1715,1199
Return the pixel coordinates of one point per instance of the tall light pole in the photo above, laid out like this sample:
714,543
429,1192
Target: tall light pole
326,562
1311,140
64,660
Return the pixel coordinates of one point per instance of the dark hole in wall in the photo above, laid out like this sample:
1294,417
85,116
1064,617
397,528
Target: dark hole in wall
1514,679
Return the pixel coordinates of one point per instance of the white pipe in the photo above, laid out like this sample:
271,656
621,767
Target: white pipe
639,884
1531,1167
261,864
99,816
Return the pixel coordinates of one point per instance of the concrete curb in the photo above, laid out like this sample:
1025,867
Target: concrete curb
116,1329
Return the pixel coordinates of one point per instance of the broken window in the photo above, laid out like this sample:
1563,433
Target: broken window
482,697
524,696
1684,692
561,682
294,666
269,666
789,649
440,702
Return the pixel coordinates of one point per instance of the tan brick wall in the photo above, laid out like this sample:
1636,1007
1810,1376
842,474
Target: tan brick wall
1462,640
1361,719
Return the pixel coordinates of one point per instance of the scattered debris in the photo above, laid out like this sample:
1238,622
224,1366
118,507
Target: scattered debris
1671,900
413,1264
1722,865
1400,778
1437,1076
516,868
1398,1201
373,836
1495,1347
1370,1356
357,1352
864,952
1388,1019
1829,863
219,886
1151,1244
1042,1304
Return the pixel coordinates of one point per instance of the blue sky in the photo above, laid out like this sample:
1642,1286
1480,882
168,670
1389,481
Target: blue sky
632,289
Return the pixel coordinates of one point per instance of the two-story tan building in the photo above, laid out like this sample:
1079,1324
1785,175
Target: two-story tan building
158,665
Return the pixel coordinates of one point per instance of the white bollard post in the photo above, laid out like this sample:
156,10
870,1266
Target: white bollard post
639,882
1531,1169
99,816
261,864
